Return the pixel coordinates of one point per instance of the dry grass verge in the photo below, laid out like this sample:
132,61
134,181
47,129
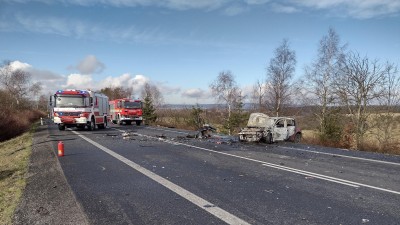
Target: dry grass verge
14,158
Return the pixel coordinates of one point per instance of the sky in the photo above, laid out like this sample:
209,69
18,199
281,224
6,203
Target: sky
182,45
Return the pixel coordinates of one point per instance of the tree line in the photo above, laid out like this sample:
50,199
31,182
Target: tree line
351,94
20,100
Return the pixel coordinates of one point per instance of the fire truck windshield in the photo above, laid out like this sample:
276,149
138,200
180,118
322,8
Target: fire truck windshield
64,101
132,105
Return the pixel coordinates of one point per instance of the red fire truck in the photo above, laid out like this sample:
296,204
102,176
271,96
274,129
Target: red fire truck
126,111
80,108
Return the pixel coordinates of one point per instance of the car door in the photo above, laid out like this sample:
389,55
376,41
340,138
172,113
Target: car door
291,127
280,130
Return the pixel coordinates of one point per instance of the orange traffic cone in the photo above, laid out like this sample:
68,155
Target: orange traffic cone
60,148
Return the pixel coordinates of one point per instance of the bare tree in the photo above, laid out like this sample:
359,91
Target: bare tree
149,110
279,75
43,103
358,86
224,88
238,116
319,80
117,92
156,95
36,89
258,95
15,82
386,121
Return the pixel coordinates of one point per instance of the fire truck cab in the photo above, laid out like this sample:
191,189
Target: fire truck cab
126,111
80,108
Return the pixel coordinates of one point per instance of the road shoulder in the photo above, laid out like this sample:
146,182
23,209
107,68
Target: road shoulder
47,198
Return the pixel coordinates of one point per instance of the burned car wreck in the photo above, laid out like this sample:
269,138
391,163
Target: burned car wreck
262,128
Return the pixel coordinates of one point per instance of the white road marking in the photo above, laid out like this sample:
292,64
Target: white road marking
344,156
289,169
200,202
173,131
310,174
299,149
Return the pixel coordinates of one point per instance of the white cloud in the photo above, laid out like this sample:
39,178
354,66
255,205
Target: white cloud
353,8
194,93
81,29
256,2
234,10
48,25
172,4
47,78
79,81
192,4
167,89
284,8
126,80
361,9
52,81
90,65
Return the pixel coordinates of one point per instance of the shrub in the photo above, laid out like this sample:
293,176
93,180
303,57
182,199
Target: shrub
14,123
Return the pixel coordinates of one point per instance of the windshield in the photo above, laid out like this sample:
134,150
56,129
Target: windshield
132,105
71,101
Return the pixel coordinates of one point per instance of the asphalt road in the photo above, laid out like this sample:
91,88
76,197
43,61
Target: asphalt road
152,175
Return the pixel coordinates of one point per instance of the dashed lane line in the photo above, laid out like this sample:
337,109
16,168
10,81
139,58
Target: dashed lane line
173,131
271,165
200,202
299,149
344,156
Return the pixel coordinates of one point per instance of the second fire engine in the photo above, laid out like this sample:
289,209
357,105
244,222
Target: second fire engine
126,111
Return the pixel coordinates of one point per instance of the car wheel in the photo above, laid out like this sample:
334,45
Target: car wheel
297,138
269,138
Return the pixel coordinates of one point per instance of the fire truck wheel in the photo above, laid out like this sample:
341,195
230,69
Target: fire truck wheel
92,125
119,122
61,127
138,123
105,122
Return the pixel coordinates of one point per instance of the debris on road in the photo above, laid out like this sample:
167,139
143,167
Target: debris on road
365,220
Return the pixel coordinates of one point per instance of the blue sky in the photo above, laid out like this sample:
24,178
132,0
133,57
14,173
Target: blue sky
182,45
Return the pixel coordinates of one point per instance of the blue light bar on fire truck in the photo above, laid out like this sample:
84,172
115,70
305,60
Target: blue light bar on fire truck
71,91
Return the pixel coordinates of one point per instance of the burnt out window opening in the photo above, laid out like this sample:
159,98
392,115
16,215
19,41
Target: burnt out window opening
280,123
290,123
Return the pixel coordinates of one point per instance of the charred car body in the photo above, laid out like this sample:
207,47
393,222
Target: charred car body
262,128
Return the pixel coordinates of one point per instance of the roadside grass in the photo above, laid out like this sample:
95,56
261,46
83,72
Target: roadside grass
14,159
